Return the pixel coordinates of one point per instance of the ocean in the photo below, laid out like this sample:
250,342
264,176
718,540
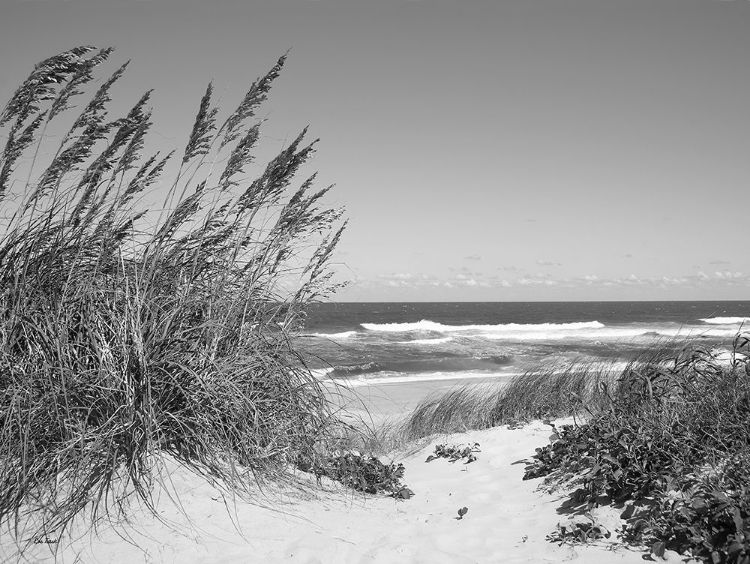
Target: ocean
364,344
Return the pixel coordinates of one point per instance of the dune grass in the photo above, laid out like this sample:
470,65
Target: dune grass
665,437
131,331
542,392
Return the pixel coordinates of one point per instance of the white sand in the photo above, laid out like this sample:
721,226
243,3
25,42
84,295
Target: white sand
380,402
507,520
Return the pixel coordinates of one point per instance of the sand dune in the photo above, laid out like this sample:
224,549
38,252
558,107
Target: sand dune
508,520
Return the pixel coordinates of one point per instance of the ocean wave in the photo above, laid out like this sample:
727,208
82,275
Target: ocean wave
725,320
436,341
728,357
431,332
427,325
597,334
343,335
321,373
400,378
429,335
617,334
356,369
615,368
417,366
698,332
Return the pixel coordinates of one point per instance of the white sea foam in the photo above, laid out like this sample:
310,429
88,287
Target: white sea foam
616,368
343,335
728,357
401,378
597,334
702,332
588,330
406,378
322,373
427,325
436,341
725,320
614,333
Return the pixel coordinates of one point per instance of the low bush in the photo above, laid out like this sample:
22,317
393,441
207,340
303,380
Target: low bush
673,448
363,473
455,453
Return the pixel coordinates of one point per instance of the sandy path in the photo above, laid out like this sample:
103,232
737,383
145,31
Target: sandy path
507,520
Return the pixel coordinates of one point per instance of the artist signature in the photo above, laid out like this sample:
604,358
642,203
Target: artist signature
45,540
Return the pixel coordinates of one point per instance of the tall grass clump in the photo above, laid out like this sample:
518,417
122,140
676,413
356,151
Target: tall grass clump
541,392
130,330
548,390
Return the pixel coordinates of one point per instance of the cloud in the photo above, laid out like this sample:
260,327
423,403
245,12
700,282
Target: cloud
465,278
727,275
536,281
396,276
406,280
473,257
464,270
548,263
666,281
701,279
720,262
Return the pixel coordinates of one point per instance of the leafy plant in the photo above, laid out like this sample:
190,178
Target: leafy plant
455,452
578,533
364,473
673,445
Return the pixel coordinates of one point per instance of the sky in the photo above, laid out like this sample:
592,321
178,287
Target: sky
485,150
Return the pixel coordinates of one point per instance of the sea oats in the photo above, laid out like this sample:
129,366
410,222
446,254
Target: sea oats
255,96
130,331
205,122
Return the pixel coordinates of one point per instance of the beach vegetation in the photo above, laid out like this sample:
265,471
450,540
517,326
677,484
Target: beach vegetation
542,392
583,532
672,448
148,300
455,453
365,473
664,438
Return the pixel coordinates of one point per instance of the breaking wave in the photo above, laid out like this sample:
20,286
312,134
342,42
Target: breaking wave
342,335
417,366
725,320
427,325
